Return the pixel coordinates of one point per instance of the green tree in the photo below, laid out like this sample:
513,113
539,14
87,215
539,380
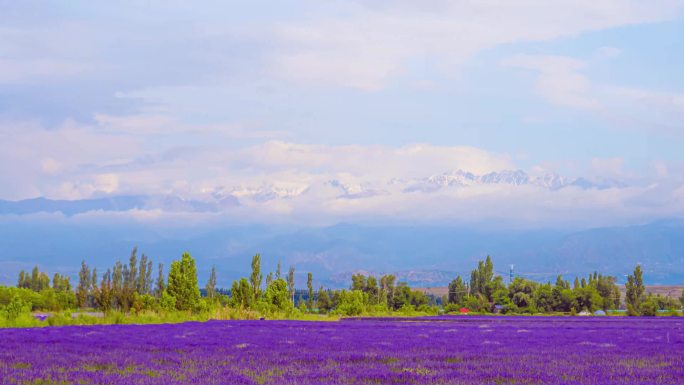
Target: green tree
211,283
94,289
291,283
82,290
543,298
372,290
649,307
324,301
481,277
182,283
634,291
277,274
521,292
277,295
563,296
352,302
117,286
457,291
16,307
358,282
160,285
241,294
131,279
144,285
310,294
22,282
256,277
105,293
387,283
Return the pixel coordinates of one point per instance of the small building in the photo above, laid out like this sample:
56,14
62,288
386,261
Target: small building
599,312
584,313
464,310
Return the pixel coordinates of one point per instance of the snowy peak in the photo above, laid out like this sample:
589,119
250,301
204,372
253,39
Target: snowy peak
354,190
460,178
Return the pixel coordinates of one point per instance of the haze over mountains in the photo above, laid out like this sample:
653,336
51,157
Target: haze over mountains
421,255
57,234
225,198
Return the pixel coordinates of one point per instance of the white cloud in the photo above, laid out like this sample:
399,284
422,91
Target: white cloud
371,45
287,182
559,79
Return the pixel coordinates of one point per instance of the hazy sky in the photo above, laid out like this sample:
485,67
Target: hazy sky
329,111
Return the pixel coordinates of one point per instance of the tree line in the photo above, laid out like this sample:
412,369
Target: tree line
130,287
485,292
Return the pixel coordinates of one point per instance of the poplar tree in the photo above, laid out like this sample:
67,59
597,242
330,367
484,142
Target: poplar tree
94,290
256,277
143,286
481,277
105,293
22,280
160,286
117,285
83,285
211,283
634,291
309,286
291,283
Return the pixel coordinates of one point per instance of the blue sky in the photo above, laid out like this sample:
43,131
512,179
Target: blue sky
328,112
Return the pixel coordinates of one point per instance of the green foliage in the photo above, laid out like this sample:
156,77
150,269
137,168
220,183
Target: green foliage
291,283
125,295
635,290
457,291
46,300
160,285
183,283
277,296
83,289
211,283
310,293
481,276
325,303
242,295
543,298
649,307
352,302
477,303
15,308
167,302
255,278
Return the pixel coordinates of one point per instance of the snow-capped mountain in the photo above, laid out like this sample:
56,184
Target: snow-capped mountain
263,193
354,190
460,178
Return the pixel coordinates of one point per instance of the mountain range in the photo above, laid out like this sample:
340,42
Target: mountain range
222,198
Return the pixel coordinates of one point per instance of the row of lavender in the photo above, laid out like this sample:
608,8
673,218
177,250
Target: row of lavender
440,350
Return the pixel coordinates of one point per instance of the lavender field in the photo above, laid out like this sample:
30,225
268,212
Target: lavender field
436,350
